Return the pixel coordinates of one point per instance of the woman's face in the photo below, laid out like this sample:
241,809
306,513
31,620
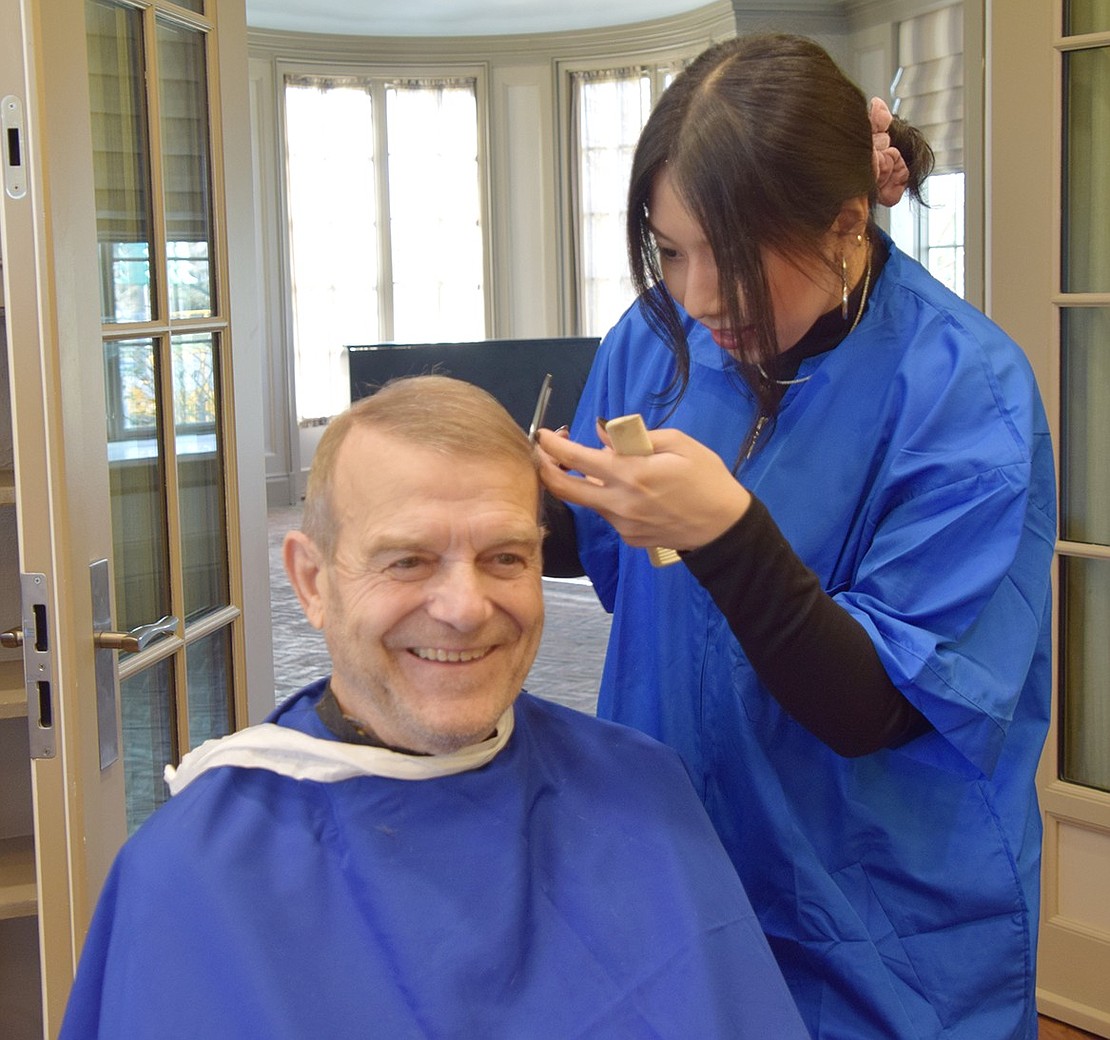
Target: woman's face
801,291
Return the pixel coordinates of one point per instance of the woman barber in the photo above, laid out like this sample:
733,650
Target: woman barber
853,654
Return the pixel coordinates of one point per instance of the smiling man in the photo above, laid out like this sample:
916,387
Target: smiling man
424,573
413,847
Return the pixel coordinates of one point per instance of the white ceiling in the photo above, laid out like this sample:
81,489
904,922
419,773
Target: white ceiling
455,17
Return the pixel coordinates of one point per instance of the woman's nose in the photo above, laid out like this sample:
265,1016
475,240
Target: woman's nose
702,296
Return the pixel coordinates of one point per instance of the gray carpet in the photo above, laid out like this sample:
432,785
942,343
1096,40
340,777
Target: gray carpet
567,668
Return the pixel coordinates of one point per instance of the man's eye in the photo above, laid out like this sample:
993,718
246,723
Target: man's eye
508,562
409,566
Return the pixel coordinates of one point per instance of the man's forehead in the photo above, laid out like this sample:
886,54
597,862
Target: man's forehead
440,536
431,510
400,469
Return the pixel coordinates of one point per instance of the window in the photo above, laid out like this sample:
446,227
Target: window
934,232
609,109
928,92
385,225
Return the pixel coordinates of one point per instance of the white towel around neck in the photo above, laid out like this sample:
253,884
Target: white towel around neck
289,752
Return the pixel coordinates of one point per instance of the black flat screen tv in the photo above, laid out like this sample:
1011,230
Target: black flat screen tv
512,370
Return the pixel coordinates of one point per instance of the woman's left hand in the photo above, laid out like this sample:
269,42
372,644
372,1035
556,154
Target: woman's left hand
682,496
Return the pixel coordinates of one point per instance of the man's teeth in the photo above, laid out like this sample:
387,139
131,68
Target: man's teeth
450,656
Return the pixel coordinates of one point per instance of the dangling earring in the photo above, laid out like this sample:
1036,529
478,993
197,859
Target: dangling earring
843,287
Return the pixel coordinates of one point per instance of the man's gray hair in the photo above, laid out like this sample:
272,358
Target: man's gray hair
434,412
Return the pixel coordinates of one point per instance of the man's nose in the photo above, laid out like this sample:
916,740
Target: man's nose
458,597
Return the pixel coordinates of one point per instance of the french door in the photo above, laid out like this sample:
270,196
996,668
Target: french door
128,264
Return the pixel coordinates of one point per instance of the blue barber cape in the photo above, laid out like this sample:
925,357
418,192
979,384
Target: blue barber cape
571,887
912,471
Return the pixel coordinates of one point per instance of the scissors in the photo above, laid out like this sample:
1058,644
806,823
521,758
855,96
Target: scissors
541,408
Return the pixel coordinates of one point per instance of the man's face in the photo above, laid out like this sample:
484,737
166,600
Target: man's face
432,608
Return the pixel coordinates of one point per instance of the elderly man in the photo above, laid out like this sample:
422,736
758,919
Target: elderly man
413,848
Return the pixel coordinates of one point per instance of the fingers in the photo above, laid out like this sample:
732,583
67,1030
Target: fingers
568,454
554,472
646,498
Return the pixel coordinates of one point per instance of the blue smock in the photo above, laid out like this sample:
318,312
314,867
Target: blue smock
912,472
572,886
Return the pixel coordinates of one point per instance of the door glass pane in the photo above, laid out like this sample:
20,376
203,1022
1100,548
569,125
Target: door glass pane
1086,16
1086,159
186,169
435,220
120,161
208,664
1085,425
1085,707
136,469
149,723
200,473
191,5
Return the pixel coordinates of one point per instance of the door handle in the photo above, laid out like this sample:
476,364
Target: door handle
12,639
138,638
105,642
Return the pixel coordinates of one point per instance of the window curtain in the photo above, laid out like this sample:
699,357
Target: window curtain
928,89
435,228
385,229
609,108
333,230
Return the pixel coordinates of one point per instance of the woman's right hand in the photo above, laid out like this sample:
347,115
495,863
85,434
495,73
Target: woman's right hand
682,496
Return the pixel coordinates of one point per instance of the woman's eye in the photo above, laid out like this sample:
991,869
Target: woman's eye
663,252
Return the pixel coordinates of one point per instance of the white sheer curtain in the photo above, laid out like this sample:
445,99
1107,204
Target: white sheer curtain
381,247
435,211
609,109
333,231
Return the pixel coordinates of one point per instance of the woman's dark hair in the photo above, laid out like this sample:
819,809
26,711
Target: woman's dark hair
764,139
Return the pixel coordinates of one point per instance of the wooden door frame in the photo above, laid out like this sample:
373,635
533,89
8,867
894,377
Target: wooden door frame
1024,206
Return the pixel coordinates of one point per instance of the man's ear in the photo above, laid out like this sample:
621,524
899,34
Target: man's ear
305,567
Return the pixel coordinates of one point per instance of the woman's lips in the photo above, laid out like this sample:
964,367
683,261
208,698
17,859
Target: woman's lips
726,339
